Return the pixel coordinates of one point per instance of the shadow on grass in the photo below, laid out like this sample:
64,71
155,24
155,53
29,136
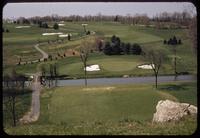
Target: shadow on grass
173,87
17,92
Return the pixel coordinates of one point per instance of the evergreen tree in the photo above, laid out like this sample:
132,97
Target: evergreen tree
69,37
55,26
136,49
127,48
179,42
107,49
164,42
113,39
116,50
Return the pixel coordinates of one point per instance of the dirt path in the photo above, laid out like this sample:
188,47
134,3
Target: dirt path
34,112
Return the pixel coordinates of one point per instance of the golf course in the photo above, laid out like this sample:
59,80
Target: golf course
111,66
91,109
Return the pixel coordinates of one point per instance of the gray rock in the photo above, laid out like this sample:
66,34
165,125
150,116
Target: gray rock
192,109
167,110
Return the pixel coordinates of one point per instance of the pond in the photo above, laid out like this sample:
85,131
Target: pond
133,80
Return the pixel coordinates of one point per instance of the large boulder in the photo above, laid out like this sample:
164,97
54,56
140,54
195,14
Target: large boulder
167,110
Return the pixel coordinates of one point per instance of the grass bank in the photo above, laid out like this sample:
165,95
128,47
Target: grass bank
109,110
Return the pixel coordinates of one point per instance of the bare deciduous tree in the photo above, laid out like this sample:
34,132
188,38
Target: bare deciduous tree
14,86
193,33
84,53
155,57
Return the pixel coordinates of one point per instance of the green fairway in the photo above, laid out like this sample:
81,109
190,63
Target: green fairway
19,43
90,110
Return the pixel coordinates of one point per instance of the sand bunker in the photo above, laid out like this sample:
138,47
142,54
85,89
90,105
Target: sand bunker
92,68
65,35
52,33
98,89
61,24
148,66
93,32
23,27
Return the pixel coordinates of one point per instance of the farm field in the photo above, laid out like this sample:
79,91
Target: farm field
109,110
20,43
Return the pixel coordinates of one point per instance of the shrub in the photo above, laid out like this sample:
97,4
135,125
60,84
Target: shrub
69,37
174,41
88,33
169,42
127,48
55,26
136,49
179,41
107,49
113,39
116,50
164,42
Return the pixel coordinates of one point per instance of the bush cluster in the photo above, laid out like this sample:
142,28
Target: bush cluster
173,41
116,47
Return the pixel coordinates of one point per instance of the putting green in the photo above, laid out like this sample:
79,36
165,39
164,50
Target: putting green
106,63
115,64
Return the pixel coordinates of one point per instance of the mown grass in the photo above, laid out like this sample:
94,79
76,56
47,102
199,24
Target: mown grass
182,92
97,110
110,66
19,43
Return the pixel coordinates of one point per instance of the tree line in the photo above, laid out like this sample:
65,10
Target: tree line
172,41
182,18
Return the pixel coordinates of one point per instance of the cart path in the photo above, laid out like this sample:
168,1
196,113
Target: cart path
34,112
44,55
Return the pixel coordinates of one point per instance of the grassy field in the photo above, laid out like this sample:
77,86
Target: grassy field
109,110
19,43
